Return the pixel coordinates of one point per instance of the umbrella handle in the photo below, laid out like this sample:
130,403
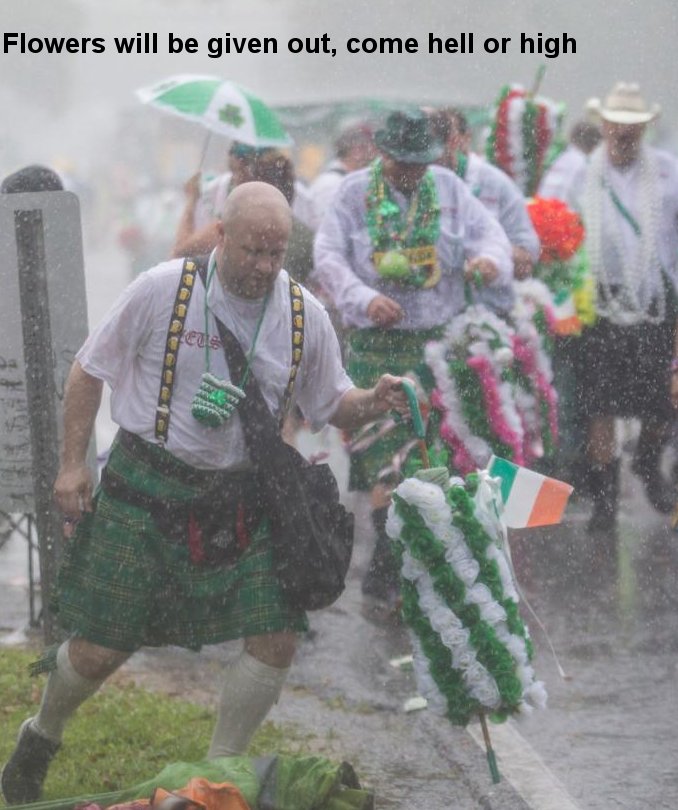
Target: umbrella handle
203,155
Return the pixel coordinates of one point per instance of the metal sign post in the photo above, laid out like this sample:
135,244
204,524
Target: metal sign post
44,321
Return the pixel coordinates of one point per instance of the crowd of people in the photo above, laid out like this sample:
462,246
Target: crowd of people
402,232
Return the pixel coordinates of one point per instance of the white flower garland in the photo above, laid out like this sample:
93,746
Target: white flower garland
638,269
519,168
533,295
429,500
515,114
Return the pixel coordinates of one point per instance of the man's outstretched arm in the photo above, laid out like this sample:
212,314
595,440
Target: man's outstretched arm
361,405
73,486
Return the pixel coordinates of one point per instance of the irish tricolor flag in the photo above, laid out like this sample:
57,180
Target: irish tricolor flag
566,320
529,499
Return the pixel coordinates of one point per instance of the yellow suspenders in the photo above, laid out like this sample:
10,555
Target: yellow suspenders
176,328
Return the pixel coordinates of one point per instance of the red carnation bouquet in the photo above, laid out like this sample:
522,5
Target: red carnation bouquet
562,265
558,227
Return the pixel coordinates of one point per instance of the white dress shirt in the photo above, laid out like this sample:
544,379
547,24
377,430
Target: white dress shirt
557,178
616,232
324,188
502,198
343,254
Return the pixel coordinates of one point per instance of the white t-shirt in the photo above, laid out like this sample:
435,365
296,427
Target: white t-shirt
128,348
324,189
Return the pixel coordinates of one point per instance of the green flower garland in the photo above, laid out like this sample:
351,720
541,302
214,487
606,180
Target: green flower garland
421,549
422,544
471,400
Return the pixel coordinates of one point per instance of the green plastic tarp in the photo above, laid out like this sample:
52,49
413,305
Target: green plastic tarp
267,783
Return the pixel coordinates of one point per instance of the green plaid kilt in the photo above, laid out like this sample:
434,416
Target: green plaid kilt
122,585
371,353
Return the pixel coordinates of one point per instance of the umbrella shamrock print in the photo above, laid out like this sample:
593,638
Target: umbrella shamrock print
220,106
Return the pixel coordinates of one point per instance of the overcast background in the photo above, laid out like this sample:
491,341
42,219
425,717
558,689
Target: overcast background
68,105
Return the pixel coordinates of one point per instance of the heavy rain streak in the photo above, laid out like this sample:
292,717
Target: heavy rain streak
338,390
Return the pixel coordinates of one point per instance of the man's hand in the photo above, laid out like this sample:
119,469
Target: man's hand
486,269
359,406
192,188
389,395
384,311
522,263
73,494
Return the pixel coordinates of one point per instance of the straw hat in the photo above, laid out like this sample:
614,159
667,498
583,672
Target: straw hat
624,105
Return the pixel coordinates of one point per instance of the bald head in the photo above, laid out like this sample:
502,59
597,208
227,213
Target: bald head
255,228
256,200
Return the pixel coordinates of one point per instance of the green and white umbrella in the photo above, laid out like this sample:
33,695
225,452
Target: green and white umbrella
219,105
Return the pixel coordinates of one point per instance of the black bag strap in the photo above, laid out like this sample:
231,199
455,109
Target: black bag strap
262,431
172,344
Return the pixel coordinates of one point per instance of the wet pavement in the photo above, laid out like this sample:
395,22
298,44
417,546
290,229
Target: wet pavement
607,739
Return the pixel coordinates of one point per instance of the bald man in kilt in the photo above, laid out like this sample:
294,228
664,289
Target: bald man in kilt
136,571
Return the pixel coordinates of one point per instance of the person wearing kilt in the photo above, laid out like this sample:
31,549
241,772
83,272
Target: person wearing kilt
627,363
392,254
172,547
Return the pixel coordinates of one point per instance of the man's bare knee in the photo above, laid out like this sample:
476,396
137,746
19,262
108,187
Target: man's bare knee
274,649
92,661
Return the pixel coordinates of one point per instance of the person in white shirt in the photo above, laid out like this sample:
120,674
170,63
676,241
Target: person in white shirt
493,187
127,579
584,137
197,229
397,246
627,193
354,149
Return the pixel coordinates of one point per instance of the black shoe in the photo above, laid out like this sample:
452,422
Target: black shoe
22,777
602,519
604,482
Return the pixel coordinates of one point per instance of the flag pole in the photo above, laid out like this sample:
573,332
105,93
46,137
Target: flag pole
541,70
491,758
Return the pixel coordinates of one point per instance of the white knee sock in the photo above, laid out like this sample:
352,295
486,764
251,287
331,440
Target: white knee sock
64,692
250,689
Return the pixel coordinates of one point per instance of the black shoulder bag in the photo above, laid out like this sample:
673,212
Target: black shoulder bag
311,531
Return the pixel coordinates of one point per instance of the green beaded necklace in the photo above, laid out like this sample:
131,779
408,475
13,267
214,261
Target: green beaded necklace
385,220
216,399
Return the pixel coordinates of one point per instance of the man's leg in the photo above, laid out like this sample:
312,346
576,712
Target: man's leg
381,579
603,473
81,668
646,464
252,684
